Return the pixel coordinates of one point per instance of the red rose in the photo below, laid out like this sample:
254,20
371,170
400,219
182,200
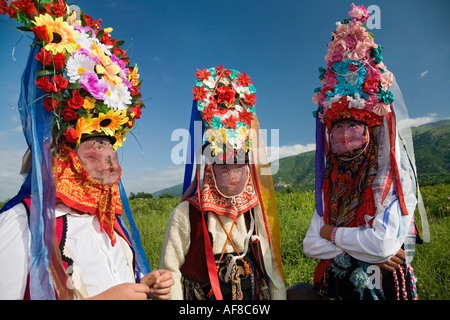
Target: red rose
137,112
44,57
60,83
59,60
76,101
44,84
42,33
225,95
47,59
50,104
69,114
71,135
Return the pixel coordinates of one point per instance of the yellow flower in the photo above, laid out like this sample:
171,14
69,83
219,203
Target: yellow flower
62,35
110,122
242,133
83,126
106,67
89,103
134,76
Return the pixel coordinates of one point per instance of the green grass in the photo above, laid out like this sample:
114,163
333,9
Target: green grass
431,262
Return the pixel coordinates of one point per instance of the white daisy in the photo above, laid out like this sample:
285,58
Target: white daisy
77,64
117,96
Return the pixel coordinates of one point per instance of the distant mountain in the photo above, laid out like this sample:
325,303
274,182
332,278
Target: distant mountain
431,149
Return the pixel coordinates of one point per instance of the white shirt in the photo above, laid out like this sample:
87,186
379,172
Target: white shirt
97,263
372,244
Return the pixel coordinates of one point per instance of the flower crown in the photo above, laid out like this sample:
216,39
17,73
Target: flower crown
87,80
226,102
356,82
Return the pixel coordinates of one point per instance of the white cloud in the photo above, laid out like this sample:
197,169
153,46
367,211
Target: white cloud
274,153
432,117
423,74
152,180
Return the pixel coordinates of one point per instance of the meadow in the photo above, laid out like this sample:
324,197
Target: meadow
431,262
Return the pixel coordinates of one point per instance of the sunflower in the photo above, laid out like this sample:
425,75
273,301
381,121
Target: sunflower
61,34
110,122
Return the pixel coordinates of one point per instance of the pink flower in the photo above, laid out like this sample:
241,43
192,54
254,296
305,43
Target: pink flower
381,109
359,14
386,80
90,82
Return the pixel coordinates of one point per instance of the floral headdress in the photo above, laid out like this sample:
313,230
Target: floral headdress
226,102
88,83
356,82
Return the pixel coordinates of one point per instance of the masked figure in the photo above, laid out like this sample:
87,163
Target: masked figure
63,235
366,183
222,240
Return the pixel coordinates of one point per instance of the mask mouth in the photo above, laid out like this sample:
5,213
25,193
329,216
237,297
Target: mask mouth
234,188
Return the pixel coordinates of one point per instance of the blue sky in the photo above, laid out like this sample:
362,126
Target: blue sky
279,44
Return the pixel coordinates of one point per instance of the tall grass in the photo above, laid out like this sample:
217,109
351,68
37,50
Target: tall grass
431,262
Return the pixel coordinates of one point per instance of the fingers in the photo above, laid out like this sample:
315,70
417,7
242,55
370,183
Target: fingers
159,283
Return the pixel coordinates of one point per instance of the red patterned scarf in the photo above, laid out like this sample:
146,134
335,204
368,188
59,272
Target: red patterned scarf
347,186
81,192
213,200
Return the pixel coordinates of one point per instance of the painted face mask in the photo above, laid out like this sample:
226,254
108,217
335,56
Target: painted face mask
99,160
347,136
230,179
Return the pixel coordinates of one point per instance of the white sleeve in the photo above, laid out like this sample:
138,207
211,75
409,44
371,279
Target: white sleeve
314,245
384,239
14,253
176,245
374,244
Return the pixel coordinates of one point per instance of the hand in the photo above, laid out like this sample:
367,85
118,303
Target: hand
394,262
124,291
159,283
326,231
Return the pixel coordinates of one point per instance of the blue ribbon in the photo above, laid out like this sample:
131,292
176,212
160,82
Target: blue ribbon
320,165
141,260
36,125
193,148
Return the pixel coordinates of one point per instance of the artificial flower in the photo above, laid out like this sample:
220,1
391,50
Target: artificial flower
44,84
202,74
117,96
95,86
136,112
50,104
199,93
26,6
133,76
381,109
59,83
89,103
78,63
243,80
110,122
250,99
359,14
49,60
63,35
226,95
68,114
230,122
71,135
76,101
